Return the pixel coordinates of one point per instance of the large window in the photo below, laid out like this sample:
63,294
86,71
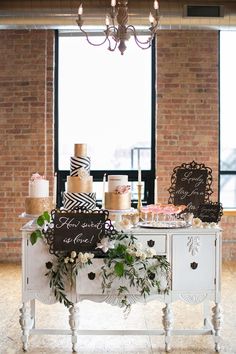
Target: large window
228,118
106,101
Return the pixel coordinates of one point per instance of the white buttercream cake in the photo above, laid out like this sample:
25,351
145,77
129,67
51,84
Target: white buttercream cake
38,199
118,196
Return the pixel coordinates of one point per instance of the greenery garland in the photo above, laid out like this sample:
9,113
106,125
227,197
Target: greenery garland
124,259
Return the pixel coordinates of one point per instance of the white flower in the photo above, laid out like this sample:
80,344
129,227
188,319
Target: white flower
150,252
90,255
73,254
138,253
143,256
105,244
139,246
82,173
197,222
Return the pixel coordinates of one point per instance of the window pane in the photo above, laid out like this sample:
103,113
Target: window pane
228,99
228,191
105,102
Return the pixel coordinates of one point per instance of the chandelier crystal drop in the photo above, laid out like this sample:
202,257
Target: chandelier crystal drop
118,31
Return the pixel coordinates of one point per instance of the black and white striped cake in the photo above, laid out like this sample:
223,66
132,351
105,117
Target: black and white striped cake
79,163
80,201
79,194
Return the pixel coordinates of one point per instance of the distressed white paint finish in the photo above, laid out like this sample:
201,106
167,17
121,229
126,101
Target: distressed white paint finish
191,284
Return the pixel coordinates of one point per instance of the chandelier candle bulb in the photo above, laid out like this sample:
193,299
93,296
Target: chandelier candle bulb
107,22
151,18
113,3
80,10
156,5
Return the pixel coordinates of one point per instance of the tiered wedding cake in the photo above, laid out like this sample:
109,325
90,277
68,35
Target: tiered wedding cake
79,194
38,200
118,196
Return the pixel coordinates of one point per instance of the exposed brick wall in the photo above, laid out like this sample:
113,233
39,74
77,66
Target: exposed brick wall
26,121
187,111
187,103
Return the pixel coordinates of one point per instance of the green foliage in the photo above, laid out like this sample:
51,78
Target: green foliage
41,222
34,236
138,269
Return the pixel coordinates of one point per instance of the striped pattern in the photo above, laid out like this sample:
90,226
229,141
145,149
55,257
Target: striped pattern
79,201
76,163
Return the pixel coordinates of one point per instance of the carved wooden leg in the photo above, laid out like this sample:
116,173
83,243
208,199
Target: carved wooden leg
74,325
206,314
217,321
167,321
26,323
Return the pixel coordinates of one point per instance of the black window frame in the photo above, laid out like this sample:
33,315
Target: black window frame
148,176
221,171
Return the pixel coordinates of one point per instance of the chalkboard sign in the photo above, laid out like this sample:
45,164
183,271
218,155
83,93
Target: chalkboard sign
78,231
210,212
191,185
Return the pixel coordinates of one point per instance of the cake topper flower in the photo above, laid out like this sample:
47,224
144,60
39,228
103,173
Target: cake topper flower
83,173
36,176
122,189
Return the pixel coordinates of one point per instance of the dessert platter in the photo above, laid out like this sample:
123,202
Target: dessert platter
163,216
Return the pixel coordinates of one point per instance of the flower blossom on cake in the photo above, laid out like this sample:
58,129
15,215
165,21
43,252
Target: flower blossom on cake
83,173
122,189
36,176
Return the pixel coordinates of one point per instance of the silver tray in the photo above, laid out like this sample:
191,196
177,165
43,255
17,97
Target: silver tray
164,225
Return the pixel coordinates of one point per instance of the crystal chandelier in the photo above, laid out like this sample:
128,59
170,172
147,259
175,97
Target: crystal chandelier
118,31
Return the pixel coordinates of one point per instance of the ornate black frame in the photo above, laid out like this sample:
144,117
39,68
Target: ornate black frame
49,232
210,203
193,166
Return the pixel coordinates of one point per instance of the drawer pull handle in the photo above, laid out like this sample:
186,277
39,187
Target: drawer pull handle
91,275
151,243
194,265
151,276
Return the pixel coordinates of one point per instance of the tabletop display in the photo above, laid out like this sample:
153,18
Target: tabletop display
164,252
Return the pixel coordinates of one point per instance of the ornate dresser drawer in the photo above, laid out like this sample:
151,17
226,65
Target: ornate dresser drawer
157,241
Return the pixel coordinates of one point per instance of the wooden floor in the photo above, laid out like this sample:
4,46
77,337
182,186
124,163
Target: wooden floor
104,316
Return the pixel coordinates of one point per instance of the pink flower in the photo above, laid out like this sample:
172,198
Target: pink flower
122,189
36,176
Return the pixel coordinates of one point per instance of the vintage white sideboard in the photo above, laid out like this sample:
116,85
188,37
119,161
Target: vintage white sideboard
195,258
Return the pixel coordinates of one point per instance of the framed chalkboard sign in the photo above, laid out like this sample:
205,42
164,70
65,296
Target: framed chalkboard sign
190,185
77,230
210,212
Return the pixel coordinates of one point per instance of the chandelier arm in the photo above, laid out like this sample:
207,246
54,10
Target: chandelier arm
88,40
110,47
137,40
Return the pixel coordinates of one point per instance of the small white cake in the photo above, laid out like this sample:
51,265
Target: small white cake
118,196
38,186
115,181
38,200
